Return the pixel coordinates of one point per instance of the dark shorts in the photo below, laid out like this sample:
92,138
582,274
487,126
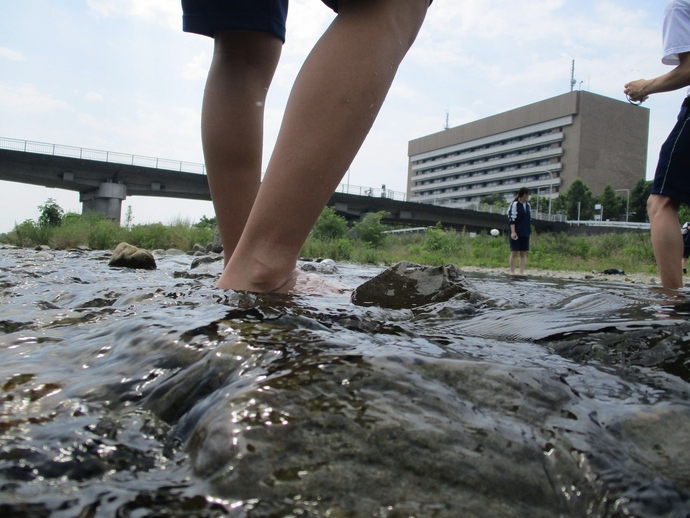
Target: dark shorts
521,244
686,252
208,16
672,177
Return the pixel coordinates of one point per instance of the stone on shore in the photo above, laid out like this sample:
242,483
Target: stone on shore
406,285
129,256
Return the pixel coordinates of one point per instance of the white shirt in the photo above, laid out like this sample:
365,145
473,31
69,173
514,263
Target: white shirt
676,33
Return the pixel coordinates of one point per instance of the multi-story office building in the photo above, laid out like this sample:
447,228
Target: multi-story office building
544,146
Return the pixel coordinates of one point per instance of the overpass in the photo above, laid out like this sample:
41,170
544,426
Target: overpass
105,178
102,178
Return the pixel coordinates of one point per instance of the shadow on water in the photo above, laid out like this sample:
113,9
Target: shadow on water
130,393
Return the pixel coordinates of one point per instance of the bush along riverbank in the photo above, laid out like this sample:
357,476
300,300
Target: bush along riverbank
71,230
365,242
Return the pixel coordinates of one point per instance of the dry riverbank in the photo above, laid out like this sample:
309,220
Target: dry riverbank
633,278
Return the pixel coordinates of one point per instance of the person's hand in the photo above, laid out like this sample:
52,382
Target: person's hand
513,235
635,90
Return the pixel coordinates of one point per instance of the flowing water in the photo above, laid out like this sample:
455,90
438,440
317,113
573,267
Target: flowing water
149,393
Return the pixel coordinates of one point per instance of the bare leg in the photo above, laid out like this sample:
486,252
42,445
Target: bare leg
666,238
523,262
332,107
232,125
513,260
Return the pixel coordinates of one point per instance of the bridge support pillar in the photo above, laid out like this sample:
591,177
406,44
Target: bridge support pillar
106,200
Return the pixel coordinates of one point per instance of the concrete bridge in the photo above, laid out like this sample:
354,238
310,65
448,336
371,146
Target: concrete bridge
105,178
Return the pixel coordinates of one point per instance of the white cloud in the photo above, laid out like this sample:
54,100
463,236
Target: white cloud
166,12
26,99
10,54
93,97
197,68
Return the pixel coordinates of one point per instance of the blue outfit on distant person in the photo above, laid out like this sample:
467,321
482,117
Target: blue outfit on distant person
520,215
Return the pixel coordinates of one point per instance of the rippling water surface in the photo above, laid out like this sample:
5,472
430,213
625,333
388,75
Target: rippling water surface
129,393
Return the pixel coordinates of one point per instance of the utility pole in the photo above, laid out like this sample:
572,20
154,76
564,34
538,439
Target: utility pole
573,82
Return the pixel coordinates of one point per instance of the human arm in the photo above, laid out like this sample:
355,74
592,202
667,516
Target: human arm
677,78
512,219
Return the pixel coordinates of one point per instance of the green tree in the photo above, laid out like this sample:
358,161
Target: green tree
205,222
638,200
129,217
370,230
611,203
51,214
540,203
496,199
577,193
329,226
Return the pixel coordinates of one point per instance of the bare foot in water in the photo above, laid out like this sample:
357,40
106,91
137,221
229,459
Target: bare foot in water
297,283
303,283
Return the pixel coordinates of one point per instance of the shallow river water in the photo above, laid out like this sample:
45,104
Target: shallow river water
149,393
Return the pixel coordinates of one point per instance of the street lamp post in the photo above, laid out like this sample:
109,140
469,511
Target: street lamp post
627,209
550,187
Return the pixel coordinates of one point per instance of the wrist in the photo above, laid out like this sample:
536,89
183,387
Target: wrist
647,88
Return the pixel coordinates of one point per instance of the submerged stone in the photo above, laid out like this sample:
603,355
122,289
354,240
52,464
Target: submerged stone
205,259
407,285
131,256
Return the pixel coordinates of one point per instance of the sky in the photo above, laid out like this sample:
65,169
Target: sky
120,75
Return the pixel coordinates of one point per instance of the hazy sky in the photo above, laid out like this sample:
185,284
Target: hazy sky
120,75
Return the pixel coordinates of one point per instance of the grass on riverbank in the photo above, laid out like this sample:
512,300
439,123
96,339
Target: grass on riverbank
98,233
631,252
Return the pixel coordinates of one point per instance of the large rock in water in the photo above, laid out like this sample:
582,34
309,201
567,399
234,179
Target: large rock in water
130,256
407,285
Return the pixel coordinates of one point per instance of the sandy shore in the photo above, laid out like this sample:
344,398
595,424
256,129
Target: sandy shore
633,278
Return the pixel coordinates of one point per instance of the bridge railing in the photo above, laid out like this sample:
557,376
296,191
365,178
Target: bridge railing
29,146
371,191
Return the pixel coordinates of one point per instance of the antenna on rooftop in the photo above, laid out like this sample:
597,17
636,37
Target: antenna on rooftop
573,82
447,126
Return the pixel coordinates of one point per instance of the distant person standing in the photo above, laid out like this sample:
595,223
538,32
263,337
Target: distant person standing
671,185
520,222
685,230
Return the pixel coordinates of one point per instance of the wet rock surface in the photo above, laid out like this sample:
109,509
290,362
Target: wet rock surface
205,260
147,393
407,285
130,256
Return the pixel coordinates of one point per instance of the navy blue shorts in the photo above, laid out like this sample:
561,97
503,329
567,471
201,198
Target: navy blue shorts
208,16
672,177
521,244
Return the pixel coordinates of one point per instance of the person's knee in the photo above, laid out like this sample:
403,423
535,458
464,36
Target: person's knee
658,204
401,17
